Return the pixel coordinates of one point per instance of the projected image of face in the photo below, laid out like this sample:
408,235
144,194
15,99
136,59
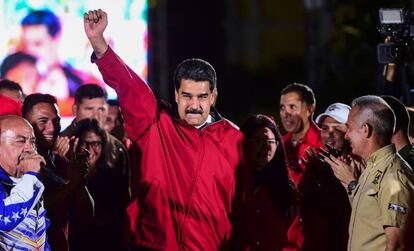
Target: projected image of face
48,31
39,43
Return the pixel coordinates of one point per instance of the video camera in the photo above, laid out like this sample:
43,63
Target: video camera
399,26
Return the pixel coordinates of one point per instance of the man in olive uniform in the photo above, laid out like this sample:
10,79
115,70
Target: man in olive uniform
385,190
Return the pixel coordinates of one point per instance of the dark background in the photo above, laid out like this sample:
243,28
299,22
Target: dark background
259,46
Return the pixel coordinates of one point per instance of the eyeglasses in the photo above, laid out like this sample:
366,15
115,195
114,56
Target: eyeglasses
268,142
95,144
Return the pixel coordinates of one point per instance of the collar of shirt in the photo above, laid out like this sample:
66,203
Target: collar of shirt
209,120
381,154
313,134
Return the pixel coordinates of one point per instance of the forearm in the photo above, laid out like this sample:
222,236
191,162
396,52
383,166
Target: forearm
99,46
137,101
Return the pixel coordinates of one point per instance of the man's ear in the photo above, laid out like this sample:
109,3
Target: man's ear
176,95
368,130
311,109
214,97
74,109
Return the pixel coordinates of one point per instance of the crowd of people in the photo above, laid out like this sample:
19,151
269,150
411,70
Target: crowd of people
142,174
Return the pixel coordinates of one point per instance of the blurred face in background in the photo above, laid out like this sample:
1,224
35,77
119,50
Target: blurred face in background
333,132
94,108
295,113
93,143
39,43
262,147
112,117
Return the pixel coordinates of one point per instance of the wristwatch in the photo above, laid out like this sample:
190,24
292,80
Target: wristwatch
351,186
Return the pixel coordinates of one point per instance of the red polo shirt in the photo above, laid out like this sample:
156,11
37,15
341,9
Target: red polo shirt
296,168
295,152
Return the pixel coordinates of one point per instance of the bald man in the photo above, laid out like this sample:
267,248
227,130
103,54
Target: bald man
22,216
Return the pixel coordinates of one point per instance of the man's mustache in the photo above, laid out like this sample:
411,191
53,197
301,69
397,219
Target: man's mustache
193,111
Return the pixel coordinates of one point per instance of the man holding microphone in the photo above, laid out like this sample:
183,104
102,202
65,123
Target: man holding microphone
22,216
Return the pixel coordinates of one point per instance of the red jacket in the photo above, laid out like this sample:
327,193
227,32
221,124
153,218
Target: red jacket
183,185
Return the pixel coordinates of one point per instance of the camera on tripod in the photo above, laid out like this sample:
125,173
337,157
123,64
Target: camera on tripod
397,24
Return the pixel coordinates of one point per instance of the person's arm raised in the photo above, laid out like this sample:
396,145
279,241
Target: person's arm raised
137,101
95,23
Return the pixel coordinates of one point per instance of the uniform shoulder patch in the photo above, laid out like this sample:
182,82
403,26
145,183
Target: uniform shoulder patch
397,208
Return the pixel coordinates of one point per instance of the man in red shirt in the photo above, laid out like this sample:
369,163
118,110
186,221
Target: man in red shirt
297,105
184,182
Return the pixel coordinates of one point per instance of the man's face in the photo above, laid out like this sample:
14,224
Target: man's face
39,43
95,108
294,113
263,146
194,100
110,122
355,133
333,132
45,120
16,137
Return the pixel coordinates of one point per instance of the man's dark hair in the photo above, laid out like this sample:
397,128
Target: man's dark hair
89,91
10,85
195,69
45,17
402,118
13,60
34,99
305,92
374,111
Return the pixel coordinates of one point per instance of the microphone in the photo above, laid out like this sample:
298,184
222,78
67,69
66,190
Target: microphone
52,175
46,170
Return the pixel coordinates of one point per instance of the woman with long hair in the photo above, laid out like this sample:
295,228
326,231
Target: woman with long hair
104,184
265,199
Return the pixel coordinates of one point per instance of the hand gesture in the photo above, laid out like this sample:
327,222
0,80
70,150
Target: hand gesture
342,171
95,22
29,162
78,167
312,158
62,146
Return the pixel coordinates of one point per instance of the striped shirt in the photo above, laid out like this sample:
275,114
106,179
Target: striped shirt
23,222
